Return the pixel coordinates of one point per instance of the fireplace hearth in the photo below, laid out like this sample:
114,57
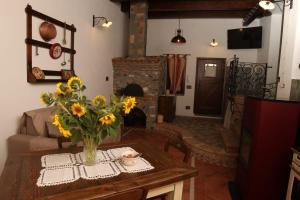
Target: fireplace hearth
142,78
136,118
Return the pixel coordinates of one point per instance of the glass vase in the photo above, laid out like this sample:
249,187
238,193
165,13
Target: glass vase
89,151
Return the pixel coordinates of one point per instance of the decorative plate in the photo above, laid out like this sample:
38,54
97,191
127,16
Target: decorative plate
55,51
38,73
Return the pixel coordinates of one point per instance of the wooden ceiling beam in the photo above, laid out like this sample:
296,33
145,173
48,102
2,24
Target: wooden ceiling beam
205,5
195,8
197,14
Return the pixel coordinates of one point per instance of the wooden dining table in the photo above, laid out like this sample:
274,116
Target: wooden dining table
21,172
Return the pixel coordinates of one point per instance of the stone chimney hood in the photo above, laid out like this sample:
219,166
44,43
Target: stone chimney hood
147,72
138,28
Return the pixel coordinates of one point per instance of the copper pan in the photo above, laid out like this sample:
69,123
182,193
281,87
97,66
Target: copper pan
47,31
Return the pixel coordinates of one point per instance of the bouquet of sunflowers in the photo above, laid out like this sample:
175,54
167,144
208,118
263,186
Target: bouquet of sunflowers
80,119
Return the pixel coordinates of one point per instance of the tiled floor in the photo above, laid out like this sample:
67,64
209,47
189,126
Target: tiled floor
204,130
207,138
210,184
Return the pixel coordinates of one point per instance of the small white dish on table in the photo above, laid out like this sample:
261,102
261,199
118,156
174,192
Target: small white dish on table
129,157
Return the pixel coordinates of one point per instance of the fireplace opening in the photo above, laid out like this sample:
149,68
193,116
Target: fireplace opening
133,90
136,118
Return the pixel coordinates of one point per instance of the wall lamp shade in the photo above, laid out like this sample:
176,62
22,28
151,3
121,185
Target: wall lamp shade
178,39
269,5
101,20
213,43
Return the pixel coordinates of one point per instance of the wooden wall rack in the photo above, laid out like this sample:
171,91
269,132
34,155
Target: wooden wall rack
31,42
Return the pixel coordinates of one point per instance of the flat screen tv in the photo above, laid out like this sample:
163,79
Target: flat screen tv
244,38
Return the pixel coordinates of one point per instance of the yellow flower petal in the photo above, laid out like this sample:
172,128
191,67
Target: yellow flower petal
66,133
60,89
56,121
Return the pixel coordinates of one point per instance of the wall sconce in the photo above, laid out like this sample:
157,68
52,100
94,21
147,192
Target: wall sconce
105,22
214,43
268,5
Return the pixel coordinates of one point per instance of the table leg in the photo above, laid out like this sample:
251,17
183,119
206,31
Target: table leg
177,194
192,181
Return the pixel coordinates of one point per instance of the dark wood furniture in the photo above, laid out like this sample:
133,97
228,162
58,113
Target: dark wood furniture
269,130
18,180
176,141
167,107
137,194
61,140
31,42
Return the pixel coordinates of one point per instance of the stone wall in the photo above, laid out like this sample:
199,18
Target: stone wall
138,28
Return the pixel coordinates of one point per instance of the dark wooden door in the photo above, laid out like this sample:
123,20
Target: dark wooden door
209,86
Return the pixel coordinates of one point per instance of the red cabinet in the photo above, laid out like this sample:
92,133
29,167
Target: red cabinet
269,131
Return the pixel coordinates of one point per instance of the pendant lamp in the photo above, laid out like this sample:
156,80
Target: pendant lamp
178,39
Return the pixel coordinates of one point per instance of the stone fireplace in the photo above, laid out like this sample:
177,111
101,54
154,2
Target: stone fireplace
139,75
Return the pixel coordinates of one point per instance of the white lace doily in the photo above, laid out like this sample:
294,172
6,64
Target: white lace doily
101,156
141,165
100,170
58,175
56,160
62,168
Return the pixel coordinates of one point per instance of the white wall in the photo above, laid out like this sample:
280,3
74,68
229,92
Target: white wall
95,47
198,33
290,52
269,53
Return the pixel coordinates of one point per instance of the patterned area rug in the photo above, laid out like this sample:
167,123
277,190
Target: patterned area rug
204,130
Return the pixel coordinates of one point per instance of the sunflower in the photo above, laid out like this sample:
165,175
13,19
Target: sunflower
108,119
66,133
61,89
128,104
74,83
99,100
78,109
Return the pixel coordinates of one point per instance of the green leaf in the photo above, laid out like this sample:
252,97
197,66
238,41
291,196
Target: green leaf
76,136
103,134
112,131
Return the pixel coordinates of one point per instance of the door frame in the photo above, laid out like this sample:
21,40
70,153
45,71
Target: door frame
224,84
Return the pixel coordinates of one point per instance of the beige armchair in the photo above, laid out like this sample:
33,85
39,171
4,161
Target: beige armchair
37,133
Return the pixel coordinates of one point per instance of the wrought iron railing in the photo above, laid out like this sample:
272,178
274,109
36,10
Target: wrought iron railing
247,78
